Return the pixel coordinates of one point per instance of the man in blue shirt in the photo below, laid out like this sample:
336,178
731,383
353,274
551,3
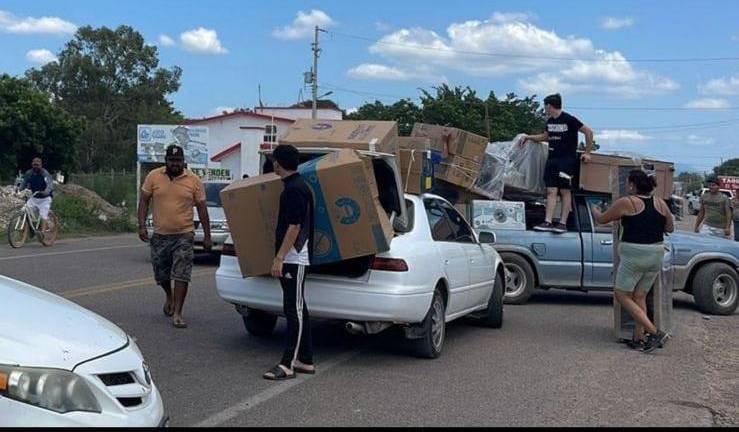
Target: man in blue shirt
39,181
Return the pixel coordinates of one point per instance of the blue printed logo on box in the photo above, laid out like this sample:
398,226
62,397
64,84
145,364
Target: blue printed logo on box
350,209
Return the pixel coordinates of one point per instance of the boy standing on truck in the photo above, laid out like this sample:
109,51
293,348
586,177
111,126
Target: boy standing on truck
561,134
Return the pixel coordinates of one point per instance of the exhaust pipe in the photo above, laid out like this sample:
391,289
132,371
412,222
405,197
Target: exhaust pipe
355,328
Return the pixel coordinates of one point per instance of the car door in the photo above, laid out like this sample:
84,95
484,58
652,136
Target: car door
453,256
480,269
597,246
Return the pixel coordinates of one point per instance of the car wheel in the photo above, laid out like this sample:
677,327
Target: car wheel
716,289
434,329
494,314
259,323
519,283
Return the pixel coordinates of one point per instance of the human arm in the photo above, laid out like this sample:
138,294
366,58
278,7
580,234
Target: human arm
544,136
729,218
588,142
290,237
143,212
205,223
295,208
619,208
669,219
700,217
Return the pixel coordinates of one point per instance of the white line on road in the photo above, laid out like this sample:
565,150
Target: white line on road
272,392
69,252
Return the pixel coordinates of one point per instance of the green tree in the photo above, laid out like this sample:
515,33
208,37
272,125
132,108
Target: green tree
30,126
728,168
111,79
404,111
691,181
461,107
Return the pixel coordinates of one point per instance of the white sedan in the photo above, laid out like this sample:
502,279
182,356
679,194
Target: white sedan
434,273
62,365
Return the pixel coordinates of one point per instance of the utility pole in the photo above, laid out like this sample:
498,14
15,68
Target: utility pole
314,72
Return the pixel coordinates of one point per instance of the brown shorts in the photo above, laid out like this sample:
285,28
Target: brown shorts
172,256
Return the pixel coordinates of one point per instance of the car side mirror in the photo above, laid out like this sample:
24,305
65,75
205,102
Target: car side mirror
487,237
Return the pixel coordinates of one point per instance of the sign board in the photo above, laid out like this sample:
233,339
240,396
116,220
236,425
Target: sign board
153,140
213,174
492,215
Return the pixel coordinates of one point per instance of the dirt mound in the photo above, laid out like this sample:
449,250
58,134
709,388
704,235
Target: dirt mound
8,203
103,209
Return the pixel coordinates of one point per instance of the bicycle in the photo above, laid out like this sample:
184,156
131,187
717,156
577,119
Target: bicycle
27,219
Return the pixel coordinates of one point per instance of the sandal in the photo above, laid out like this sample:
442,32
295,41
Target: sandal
277,373
303,369
179,323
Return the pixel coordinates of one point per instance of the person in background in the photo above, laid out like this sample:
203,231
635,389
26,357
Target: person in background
644,221
293,244
715,211
174,191
39,181
735,211
561,134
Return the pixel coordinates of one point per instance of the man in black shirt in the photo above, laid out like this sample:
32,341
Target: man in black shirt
293,244
561,133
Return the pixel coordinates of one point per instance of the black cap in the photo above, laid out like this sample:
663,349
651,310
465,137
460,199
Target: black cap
175,151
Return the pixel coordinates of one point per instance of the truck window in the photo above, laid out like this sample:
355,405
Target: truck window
603,203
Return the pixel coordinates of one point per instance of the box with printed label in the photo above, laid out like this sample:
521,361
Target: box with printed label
367,135
349,220
449,140
494,215
459,171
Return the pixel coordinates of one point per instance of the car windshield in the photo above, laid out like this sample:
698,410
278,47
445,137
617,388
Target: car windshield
212,194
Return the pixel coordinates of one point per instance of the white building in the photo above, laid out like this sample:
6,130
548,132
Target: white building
300,113
235,138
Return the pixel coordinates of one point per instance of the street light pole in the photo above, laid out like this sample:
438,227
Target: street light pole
314,74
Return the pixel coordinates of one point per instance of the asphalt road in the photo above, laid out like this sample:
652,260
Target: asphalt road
554,362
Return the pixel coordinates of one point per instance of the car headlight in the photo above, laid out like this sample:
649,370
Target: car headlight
53,389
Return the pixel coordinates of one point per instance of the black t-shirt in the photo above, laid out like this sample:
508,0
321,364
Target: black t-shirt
296,208
563,135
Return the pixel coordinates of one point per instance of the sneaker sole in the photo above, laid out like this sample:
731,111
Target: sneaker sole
558,231
659,344
543,229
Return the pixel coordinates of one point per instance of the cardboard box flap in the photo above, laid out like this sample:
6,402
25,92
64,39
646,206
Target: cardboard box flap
359,135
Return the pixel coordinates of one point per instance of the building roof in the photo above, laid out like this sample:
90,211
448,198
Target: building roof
229,150
299,108
237,114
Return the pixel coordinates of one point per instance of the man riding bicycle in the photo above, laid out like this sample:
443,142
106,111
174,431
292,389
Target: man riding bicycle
39,181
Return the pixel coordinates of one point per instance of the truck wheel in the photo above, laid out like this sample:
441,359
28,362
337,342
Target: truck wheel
494,315
519,283
259,323
434,331
716,289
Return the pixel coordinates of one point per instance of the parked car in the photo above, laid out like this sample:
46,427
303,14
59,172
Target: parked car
218,226
582,259
694,199
62,365
437,270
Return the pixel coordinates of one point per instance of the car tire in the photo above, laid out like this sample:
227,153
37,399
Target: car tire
519,283
259,323
716,289
493,317
434,329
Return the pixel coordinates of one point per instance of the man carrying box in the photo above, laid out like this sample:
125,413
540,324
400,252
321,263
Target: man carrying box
561,133
294,243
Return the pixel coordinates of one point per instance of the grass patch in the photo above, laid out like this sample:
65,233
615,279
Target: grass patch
116,188
77,217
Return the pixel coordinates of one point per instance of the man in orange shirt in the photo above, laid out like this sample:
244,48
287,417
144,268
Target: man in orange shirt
174,191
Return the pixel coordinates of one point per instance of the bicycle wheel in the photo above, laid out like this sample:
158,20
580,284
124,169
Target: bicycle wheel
48,237
17,230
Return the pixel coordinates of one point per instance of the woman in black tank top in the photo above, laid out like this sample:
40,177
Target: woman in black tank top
644,220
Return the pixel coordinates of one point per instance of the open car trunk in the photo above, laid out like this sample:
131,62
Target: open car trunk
389,185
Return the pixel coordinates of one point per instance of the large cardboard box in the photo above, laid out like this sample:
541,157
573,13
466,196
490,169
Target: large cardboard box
459,171
415,170
449,140
412,143
349,220
597,175
358,135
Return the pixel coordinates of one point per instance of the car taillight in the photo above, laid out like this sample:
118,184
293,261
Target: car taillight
389,264
228,249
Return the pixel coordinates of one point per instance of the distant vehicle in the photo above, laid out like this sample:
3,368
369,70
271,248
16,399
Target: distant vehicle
437,270
694,199
582,259
62,365
219,231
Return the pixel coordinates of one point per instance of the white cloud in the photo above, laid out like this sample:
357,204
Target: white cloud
166,41
700,140
303,25
378,72
613,23
10,23
621,135
221,109
727,86
203,41
40,56
508,44
351,110
708,103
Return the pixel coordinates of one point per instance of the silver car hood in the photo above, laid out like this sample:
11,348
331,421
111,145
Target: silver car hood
40,329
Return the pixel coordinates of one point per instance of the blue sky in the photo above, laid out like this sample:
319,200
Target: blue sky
383,49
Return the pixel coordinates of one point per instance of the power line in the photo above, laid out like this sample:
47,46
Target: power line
538,57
